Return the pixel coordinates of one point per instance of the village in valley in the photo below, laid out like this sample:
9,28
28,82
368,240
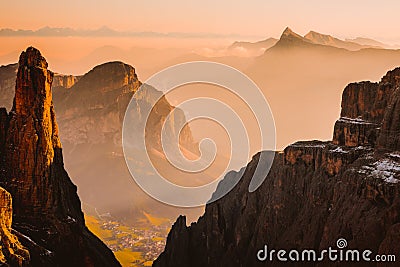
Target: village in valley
132,246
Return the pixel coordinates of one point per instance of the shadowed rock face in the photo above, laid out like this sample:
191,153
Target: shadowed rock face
389,138
7,84
315,193
90,116
370,110
11,252
90,111
47,211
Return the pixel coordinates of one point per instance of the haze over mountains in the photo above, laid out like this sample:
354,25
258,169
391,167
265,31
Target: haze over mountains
301,76
315,193
106,31
78,53
90,112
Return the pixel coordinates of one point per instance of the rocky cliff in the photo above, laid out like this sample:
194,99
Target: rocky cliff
7,84
47,211
315,193
12,252
90,115
90,110
64,81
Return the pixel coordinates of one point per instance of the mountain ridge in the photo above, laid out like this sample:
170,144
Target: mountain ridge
326,39
315,193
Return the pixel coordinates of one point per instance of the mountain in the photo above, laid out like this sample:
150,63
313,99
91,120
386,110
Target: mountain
370,42
90,111
254,49
47,216
289,38
315,193
91,114
324,39
8,74
302,80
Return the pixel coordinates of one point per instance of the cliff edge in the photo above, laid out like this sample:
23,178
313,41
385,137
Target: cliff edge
47,211
315,193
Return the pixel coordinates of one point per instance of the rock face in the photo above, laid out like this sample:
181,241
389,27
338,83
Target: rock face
315,193
390,130
47,210
90,116
12,252
90,110
370,114
64,81
7,84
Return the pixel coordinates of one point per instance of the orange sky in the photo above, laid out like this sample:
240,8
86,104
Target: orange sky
248,18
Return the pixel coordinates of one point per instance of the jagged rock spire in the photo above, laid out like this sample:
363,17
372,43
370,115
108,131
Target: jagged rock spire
33,145
47,209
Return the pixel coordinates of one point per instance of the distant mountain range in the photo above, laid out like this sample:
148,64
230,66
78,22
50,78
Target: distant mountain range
108,32
257,48
325,39
301,76
371,42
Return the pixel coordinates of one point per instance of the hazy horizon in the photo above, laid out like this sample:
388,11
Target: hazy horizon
255,18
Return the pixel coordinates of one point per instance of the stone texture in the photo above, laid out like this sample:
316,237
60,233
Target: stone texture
64,81
315,193
370,114
7,84
47,211
355,132
358,100
390,133
11,251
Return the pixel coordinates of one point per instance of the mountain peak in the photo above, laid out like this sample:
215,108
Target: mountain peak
110,76
314,33
319,38
288,31
289,34
32,58
289,38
